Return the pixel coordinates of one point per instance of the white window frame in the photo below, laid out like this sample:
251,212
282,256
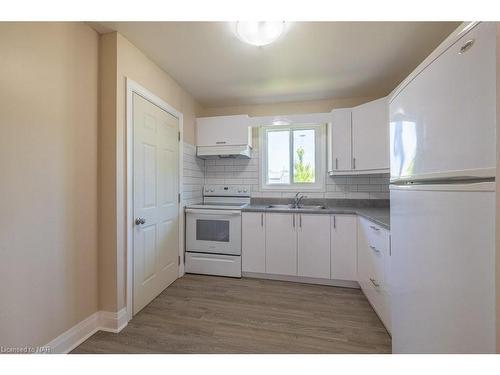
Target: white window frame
320,159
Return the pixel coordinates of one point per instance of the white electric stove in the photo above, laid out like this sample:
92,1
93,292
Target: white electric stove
213,231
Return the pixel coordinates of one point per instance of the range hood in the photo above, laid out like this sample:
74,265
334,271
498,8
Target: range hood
222,152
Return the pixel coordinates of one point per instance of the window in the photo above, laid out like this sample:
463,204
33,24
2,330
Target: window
292,157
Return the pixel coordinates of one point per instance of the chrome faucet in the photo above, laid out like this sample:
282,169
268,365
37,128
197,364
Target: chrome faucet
297,200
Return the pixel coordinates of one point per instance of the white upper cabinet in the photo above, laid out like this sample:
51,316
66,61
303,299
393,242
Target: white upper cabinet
340,140
281,244
370,136
313,245
359,139
224,131
343,247
253,247
443,116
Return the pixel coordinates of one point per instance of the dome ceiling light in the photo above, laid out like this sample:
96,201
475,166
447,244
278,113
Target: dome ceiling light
259,33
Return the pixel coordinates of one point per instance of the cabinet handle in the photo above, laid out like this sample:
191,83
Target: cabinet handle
336,163
374,228
300,221
261,220
375,284
467,46
353,163
220,143
374,249
334,222
293,220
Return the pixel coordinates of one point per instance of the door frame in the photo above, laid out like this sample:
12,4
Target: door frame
134,87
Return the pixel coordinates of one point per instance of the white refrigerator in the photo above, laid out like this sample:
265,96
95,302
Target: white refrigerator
442,126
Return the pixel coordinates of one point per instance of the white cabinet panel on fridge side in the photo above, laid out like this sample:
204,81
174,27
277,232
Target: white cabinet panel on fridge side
253,246
442,270
444,119
281,244
313,245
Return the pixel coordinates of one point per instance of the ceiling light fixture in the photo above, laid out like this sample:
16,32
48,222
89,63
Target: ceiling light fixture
259,33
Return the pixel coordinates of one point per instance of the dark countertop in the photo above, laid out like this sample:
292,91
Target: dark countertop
378,215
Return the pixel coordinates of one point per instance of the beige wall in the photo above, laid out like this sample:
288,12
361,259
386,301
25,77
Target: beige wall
119,54
497,180
289,108
48,188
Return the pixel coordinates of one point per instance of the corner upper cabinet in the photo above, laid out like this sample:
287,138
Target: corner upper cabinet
224,131
340,140
370,137
359,139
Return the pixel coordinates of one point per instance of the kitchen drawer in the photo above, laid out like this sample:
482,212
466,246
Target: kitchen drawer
376,236
372,249
378,296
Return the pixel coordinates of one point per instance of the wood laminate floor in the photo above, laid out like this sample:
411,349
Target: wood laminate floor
207,314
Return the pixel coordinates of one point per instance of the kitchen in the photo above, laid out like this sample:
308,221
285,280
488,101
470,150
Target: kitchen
228,213
330,240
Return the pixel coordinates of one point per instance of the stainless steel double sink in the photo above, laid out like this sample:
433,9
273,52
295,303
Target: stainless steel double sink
292,207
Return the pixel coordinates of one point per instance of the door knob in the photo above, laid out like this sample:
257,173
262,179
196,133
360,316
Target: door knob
140,220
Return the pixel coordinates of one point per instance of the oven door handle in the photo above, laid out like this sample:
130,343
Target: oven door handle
212,212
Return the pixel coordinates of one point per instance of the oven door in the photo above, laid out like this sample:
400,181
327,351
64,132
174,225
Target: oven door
213,231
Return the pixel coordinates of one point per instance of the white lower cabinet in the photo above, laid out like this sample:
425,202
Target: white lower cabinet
374,267
253,242
343,247
318,246
281,243
313,245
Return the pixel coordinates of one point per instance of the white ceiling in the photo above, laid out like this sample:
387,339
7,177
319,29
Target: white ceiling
313,60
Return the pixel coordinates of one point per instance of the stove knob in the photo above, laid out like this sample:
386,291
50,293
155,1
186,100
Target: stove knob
244,190
212,190
239,191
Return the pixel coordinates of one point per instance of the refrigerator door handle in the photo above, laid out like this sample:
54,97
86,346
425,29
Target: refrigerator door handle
457,186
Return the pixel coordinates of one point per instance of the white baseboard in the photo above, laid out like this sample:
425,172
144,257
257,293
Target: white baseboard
113,321
98,321
302,279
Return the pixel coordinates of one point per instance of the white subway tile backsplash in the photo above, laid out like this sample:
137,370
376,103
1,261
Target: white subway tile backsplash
198,172
193,170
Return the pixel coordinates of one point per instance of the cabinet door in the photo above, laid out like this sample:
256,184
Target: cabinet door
341,140
313,245
223,131
253,249
370,136
281,244
343,247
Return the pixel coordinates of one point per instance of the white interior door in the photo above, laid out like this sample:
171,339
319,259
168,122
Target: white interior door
156,185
